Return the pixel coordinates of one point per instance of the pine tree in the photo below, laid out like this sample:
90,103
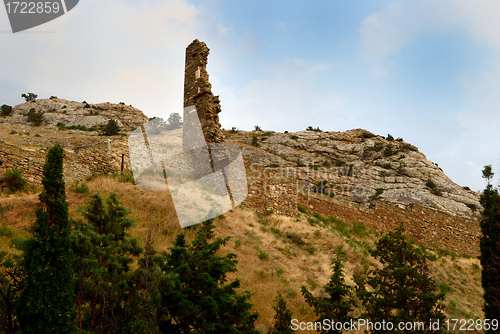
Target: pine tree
11,285
46,302
490,247
107,291
402,290
201,300
111,128
282,318
339,303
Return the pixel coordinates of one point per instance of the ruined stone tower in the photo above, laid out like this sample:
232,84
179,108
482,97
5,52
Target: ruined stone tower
198,92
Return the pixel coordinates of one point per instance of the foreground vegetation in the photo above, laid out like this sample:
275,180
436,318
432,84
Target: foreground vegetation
152,277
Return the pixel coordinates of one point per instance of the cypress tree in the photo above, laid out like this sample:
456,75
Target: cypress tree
200,299
282,318
402,290
46,302
107,289
490,247
339,303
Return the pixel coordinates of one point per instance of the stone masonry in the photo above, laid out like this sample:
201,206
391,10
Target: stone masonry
198,92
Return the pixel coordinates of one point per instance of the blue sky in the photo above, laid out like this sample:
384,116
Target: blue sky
426,71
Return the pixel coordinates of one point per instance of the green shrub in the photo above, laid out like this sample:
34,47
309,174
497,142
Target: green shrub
389,137
257,128
35,117
53,97
310,128
81,188
296,238
263,255
255,141
111,128
377,194
388,150
15,180
6,110
301,209
433,188
378,146
273,165
234,130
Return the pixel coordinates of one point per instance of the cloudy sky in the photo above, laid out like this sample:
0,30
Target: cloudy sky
427,71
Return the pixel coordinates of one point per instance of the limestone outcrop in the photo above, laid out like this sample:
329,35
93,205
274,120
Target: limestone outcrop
360,167
79,113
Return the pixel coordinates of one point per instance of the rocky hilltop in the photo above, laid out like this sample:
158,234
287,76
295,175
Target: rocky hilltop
71,113
359,166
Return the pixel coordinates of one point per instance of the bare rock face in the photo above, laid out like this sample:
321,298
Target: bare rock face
71,113
198,92
359,166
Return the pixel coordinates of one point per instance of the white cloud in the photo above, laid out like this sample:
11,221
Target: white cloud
105,51
385,33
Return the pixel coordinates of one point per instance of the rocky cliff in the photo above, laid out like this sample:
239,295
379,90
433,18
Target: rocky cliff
359,166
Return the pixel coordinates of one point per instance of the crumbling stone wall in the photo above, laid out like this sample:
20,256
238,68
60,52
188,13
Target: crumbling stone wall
198,92
16,158
280,190
97,157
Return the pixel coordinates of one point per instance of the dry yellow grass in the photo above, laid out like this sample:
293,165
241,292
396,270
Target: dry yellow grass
268,262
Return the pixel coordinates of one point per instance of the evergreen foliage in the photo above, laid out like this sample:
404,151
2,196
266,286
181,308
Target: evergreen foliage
282,318
174,121
30,97
46,302
106,289
402,290
15,180
111,128
11,285
6,110
339,302
201,300
490,247
35,117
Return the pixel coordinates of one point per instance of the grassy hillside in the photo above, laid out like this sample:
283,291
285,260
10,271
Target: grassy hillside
275,253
